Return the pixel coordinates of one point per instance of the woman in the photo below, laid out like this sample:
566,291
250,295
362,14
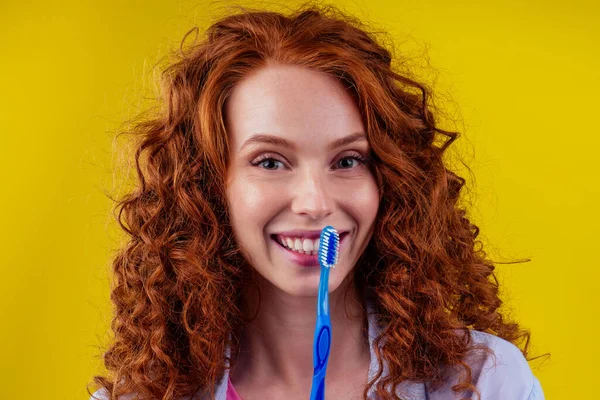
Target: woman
275,126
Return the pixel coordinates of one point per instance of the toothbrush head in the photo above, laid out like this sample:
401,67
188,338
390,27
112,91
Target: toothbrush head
329,247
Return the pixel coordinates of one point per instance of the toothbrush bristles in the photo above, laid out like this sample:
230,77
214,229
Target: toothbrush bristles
329,241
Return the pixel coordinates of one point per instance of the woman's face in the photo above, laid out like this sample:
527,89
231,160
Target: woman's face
292,173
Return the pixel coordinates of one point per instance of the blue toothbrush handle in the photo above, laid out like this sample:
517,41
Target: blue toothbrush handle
322,340
320,356
328,254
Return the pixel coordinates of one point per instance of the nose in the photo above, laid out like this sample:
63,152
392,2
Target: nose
312,196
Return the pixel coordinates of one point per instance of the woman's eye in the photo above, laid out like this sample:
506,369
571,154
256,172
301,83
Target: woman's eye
351,161
268,163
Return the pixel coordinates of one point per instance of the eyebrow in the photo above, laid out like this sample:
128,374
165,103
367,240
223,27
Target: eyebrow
279,141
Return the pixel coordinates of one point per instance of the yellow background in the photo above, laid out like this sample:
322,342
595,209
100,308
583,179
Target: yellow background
521,76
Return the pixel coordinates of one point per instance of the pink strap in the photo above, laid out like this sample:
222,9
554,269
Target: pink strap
231,393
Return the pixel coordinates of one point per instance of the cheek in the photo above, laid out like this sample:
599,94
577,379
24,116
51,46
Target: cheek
251,202
364,201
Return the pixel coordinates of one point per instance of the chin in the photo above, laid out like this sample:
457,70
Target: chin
308,289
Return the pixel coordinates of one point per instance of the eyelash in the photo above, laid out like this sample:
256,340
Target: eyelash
361,160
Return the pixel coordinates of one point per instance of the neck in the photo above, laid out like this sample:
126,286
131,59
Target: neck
276,347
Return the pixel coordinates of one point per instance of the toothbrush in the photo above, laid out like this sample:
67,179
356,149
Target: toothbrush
329,246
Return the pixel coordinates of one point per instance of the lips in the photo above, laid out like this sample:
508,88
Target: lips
304,234
304,260
293,235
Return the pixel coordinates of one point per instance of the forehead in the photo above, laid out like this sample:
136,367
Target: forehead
297,103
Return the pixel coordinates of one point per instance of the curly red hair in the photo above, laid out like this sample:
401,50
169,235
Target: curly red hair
177,280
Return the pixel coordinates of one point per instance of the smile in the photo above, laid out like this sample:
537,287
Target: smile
303,252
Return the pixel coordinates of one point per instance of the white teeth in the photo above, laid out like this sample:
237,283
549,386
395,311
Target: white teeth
307,245
300,245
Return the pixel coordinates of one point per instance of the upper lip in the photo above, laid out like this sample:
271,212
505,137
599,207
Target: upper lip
297,233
